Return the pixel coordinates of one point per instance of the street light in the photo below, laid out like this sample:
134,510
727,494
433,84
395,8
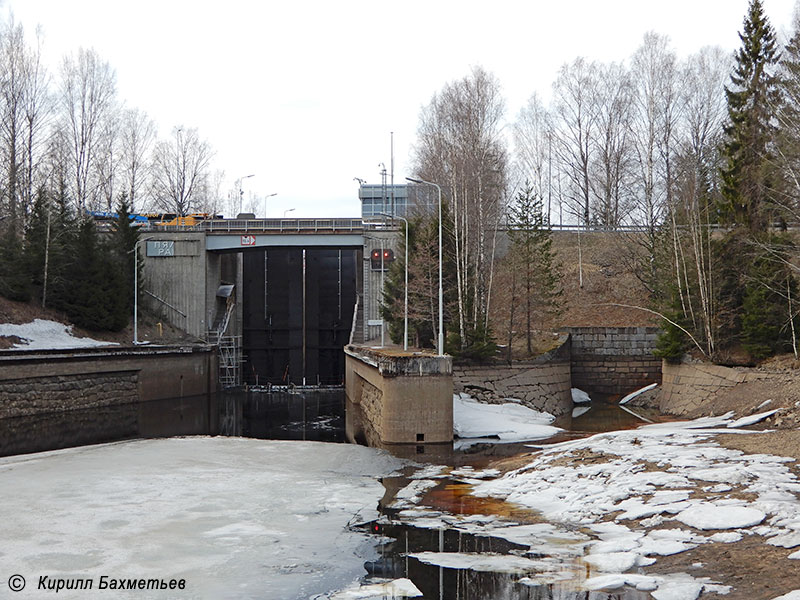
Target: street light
441,309
288,210
136,290
265,202
405,299
241,191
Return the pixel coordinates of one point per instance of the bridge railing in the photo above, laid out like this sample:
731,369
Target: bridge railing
277,226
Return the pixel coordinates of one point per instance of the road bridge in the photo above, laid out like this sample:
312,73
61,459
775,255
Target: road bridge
283,296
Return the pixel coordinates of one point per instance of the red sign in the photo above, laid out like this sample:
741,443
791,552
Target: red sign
248,240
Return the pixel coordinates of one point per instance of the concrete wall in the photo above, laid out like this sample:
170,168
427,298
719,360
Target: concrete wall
542,384
686,386
613,360
179,280
372,279
406,399
55,399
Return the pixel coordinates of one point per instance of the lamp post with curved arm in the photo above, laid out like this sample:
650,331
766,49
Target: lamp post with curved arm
441,308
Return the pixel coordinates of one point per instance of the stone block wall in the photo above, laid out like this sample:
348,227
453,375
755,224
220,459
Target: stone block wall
67,392
56,399
613,361
686,386
540,386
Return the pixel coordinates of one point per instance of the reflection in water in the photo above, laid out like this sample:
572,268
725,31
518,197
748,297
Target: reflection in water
284,415
165,417
326,416
444,583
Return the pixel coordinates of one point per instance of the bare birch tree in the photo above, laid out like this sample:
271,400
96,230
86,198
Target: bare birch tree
180,171
87,95
612,162
38,113
532,146
574,123
137,134
461,147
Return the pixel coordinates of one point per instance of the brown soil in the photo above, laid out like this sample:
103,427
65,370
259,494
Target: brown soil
604,265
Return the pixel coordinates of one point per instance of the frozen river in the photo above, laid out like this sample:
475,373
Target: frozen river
231,517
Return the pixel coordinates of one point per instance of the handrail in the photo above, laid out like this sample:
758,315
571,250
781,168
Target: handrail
278,226
355,320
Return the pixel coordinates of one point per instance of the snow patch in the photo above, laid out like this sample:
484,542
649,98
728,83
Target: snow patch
752,419
708,515
41,334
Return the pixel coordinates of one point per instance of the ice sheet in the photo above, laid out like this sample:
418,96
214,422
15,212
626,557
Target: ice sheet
229,515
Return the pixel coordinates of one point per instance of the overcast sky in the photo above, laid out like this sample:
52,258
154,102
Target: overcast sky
304,94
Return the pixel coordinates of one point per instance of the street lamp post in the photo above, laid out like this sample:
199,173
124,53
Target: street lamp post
241,191
288,210
265,202
441,309
136,289
405,294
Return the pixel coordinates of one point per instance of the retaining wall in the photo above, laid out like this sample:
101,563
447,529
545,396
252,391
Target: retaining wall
686,386
613,360
542,384
56,399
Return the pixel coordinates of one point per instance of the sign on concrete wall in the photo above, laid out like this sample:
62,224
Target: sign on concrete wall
160,248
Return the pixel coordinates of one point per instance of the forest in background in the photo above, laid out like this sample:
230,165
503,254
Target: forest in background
694,162
696,158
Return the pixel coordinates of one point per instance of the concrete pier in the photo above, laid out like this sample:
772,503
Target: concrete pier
405,397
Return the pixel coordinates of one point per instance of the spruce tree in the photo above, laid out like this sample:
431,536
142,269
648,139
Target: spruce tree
49,248
788,122
125,236
749,131
15,281
95,298
533,259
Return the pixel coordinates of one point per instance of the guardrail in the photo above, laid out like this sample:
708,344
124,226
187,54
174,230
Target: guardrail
279,226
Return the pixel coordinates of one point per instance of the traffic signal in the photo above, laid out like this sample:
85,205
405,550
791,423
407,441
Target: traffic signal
387,257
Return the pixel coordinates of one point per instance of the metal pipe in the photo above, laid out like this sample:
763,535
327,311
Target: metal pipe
136,289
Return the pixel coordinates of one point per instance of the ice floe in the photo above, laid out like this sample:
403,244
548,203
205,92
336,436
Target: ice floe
642,494
397,588
510,422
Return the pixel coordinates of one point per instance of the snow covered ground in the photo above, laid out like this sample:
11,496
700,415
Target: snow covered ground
235,518
44,335
616,502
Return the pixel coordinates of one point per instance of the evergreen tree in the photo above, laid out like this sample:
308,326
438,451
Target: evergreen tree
125,237
749,131
423,283
767,290
533,259
95,298
15,281
788,119
49,248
